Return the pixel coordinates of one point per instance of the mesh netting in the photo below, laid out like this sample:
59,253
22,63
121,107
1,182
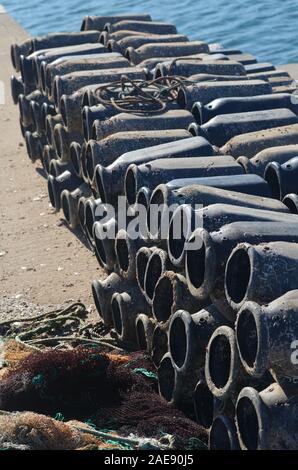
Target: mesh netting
117,393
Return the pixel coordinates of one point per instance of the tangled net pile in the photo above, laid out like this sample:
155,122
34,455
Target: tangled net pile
113,396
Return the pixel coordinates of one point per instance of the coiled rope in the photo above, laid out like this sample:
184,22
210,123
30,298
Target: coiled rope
63,327
141,96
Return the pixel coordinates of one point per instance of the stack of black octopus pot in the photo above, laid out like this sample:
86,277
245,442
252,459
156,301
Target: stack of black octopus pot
217,306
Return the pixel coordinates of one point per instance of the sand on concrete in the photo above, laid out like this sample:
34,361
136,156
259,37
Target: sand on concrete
41,260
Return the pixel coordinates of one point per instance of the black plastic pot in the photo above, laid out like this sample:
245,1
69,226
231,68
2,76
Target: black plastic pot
99,22
219,106
205,265
51,122
209,91
97,113
257,272
16,87
150,27
70,64
258,163
156,266
103,292
172,119
224,373
165,201
222,128
291,201
63,139
108,150
247,183
69,203
144,332
110,180
34,145
125,309
189,67
48,155
266,420
223,434
37,118
18,50
160,49
282,178
93,212
211,218
71,82
188,339
137,41
207,407
259,67
104,243
159,344
75,150
142,259
167,376
171,294
173,385
24,106
159,171
57,167
253,142
56,185
272,340
126,249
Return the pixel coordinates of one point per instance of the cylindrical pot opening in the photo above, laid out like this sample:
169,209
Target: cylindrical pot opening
141,265
155,207
117,316
203,405
66,206
237,277
130,186
222,435
141,335
122,253
166,378
75,157
247,337
179,231
219,361
154,270
159,345
272,177
178,341
195,263
163,299
248,423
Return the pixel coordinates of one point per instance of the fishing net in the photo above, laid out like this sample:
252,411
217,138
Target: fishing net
118,395
32,431
74,382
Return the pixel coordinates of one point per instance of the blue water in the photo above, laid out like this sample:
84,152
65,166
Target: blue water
265,28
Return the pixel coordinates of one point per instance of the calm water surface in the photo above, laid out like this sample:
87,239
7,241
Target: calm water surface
265,28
